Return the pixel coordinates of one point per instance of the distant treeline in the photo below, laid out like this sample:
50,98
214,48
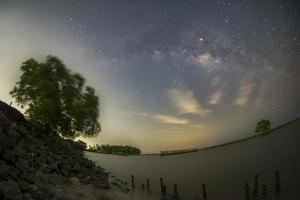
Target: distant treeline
115,149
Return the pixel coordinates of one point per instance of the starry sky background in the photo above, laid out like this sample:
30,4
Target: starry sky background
171,74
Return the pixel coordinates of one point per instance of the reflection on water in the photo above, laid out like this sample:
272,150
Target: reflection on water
224,170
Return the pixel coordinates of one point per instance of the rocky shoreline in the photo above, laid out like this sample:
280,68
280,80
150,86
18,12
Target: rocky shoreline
37,166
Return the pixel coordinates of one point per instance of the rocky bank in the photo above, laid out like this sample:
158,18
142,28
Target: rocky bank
37,166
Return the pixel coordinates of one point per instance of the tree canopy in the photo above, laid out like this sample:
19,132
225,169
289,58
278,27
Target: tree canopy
57,100
115,149
263,126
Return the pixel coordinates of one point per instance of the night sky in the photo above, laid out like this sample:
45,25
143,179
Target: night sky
170,74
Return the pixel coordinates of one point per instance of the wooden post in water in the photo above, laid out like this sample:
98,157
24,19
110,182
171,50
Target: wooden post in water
255,188
277,186
204,192
161,185
148,185
132,182
164,189
143,186
247,190
175,189
264,191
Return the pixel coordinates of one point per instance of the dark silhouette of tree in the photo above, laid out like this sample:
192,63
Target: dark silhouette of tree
263,126
56,100
115,149
81,145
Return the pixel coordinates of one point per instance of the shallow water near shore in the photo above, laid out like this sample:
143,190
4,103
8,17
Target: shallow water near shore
224,170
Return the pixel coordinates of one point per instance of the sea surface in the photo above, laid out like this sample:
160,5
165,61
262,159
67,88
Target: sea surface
224,170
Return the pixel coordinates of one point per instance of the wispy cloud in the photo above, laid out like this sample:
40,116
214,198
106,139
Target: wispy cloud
216,80
216,97
167,119
206,59
158,55
243,95
196,125
186,103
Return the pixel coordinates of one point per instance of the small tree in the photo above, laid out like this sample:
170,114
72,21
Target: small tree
56,100
263,126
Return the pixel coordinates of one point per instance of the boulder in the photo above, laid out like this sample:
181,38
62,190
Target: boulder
56,179
11,190
42,158
11,113
8,172
27,196
23,165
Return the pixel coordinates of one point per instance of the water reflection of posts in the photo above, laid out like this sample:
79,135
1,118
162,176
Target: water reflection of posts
161,185
247,190
277,186
132,182
148,185
264,191
204,192
255,188
175,190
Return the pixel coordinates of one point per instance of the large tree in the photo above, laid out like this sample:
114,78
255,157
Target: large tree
57,100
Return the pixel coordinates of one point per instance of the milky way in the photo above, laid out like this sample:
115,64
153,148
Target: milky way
170,74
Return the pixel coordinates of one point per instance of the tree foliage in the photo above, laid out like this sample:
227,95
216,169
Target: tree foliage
115,149
80,145
57,100
263,126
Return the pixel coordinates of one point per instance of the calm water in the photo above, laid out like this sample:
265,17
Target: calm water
224,170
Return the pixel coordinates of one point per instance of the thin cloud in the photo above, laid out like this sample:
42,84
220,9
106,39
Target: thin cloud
216,97
206,59
197,126
216,80
158,55
186,103
243,96
167,119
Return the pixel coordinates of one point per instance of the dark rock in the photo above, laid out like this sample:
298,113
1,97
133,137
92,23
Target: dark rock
45,169
27,196
23,165
42,158
8,172
11,113
76,168
43,193
53,167
56,179
60,195
66,170
24,186
35,165
11,190
30,178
